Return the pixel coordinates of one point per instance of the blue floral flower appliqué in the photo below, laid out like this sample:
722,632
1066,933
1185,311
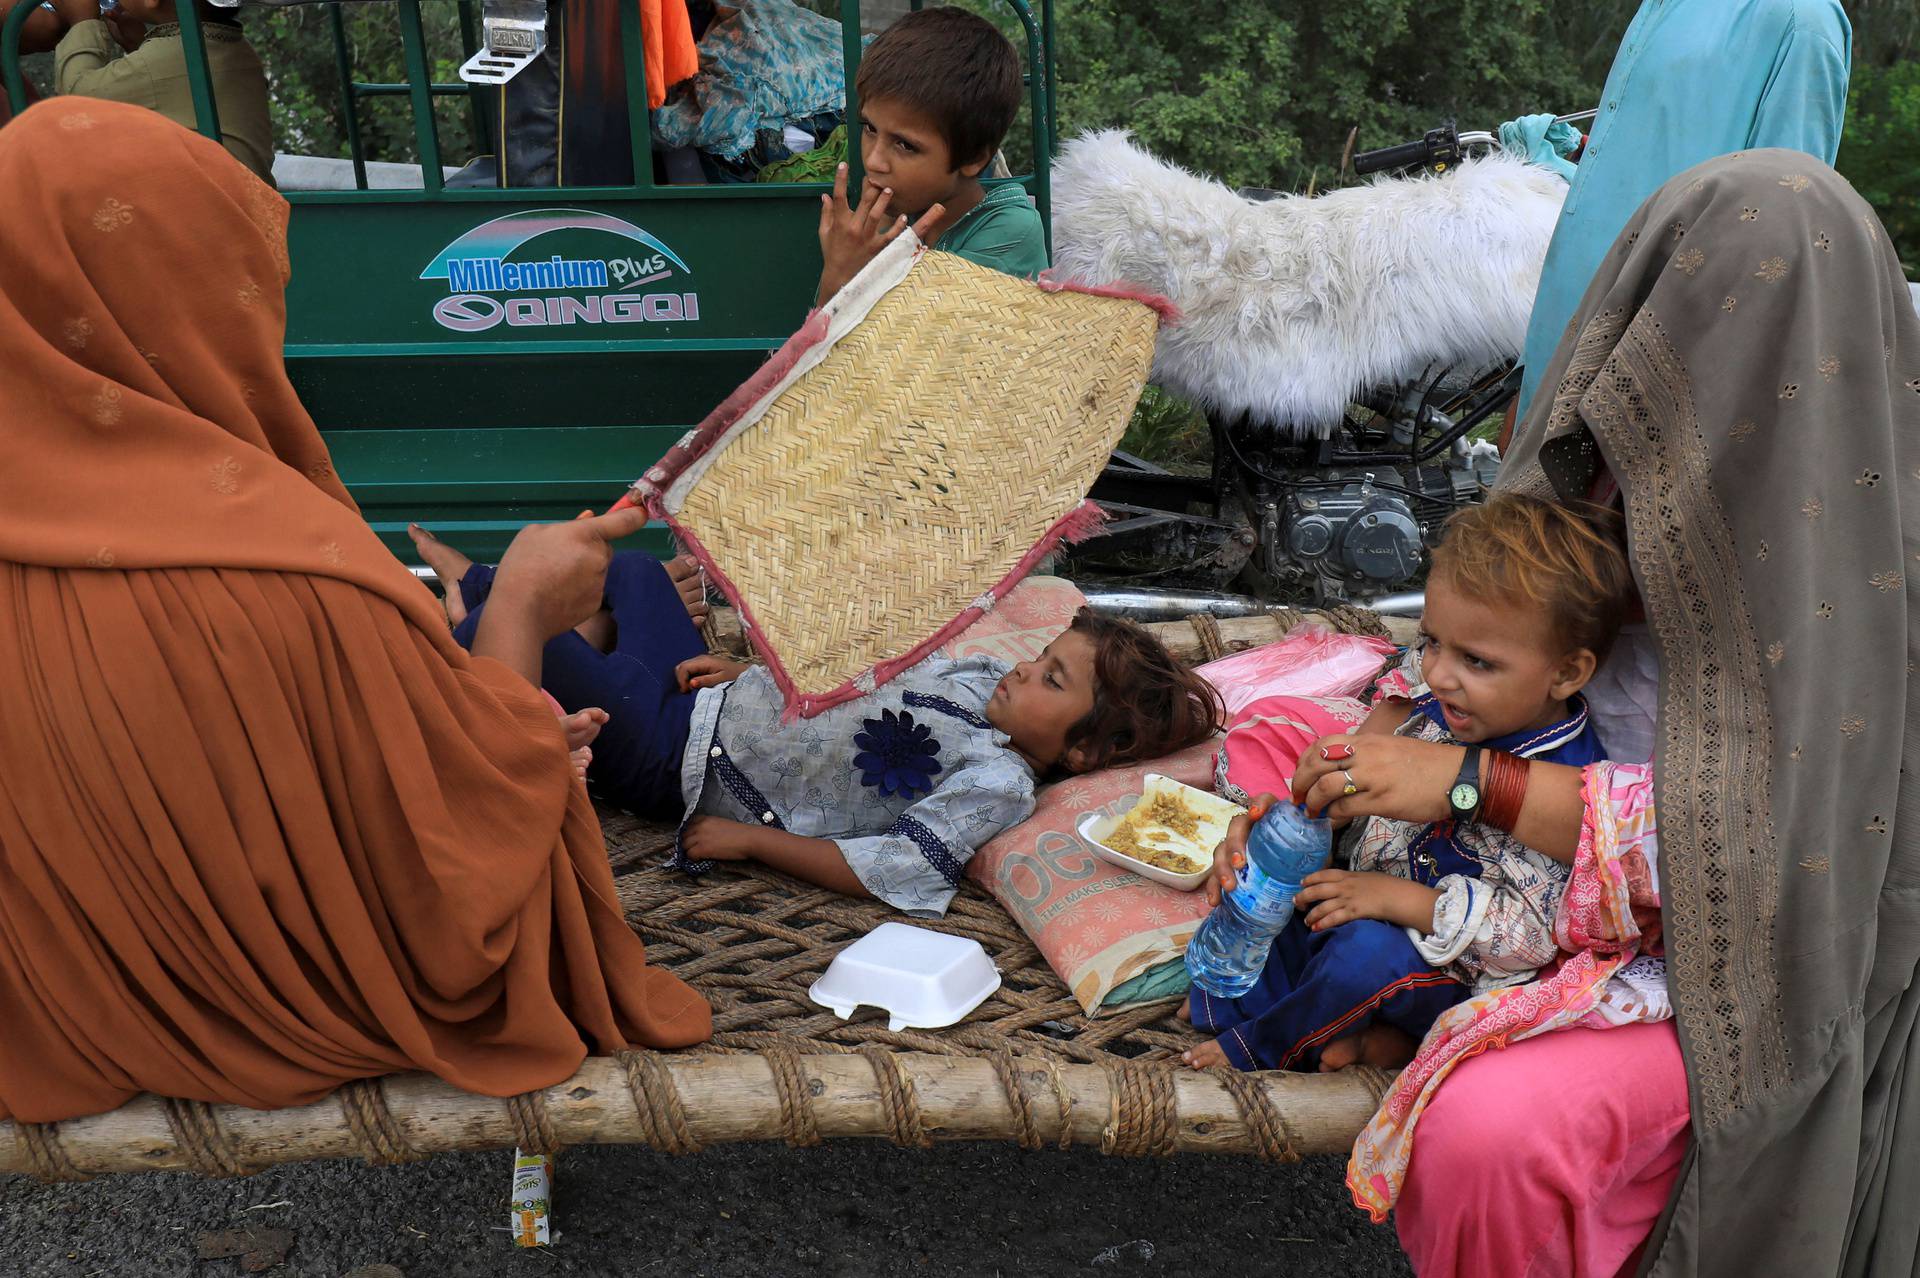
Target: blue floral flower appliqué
897,755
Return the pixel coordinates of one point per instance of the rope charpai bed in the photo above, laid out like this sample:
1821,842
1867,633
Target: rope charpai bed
1026,1066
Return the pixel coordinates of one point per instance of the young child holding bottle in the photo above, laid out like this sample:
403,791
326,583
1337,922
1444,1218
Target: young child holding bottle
1523,604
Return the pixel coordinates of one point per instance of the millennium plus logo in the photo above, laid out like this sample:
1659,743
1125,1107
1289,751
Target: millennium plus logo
589,268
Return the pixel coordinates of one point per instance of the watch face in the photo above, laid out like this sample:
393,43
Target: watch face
1464,798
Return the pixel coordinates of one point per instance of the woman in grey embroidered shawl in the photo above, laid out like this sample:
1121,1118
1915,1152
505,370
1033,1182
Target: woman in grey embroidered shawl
1744,376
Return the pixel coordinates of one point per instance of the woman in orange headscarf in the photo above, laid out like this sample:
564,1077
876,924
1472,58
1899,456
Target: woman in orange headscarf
264,828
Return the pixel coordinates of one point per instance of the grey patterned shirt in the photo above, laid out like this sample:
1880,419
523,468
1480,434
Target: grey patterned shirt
908,780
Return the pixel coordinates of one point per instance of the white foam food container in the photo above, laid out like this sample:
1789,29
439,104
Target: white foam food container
1215,813
921,979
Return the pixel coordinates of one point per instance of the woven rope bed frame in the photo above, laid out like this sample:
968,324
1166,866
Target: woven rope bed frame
1026,1066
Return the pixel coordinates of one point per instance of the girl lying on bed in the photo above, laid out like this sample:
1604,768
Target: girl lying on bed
886,796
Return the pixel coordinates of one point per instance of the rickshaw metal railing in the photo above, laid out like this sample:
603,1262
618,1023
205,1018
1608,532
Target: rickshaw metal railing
420,89
481,431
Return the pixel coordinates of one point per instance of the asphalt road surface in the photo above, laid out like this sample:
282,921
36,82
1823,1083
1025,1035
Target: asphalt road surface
755,1211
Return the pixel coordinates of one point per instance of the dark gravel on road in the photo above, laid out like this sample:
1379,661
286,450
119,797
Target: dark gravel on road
747,1210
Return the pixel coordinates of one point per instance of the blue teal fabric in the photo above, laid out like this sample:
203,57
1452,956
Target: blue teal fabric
1319,987
763,64
1694,79
1167,980
1543,140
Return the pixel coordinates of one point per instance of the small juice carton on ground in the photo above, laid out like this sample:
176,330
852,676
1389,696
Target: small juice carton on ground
532,1198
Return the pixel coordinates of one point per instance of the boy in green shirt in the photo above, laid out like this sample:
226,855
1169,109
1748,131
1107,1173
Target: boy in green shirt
153,74
938,91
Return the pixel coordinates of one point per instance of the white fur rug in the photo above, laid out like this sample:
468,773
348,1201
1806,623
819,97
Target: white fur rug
1293,306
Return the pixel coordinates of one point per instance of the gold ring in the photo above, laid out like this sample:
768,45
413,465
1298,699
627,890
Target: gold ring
1350,787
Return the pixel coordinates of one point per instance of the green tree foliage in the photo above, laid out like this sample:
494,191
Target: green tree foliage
1884,31
1263,92
1254,92
1880,151
296,43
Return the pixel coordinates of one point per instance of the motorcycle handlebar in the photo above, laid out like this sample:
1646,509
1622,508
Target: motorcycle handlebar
1390,157
1427,149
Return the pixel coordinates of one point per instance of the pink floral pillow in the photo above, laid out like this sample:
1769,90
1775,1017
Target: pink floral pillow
1099,926
1030,617
1106,930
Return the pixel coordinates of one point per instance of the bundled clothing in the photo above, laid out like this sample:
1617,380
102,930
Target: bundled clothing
666,42
1493,922
908,781
264,828
763,64
815,165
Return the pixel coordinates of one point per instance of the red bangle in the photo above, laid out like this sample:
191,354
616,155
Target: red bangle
1505,790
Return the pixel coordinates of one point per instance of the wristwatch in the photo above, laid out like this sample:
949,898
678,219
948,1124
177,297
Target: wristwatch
1464,798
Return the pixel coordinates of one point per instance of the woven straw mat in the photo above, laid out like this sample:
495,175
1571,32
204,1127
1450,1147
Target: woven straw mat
752,941
907,474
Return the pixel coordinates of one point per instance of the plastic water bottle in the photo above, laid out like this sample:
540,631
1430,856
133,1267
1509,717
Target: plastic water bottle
1225,956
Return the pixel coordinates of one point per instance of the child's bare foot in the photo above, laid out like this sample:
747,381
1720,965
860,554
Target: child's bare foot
1186,1008
448,565
685,573
582,727
1387,1046
1341,1052
1209,1055
581,758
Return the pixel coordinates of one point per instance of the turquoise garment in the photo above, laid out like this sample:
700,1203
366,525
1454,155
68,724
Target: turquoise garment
1542,140
1694,79
1166,980
1002,231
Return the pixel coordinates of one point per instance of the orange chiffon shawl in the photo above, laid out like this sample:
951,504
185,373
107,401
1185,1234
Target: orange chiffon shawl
264,828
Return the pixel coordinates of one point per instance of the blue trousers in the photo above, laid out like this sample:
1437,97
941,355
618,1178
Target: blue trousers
636,758
1321,986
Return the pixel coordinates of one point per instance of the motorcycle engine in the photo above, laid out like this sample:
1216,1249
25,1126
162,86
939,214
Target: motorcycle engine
1369,531
1327,515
